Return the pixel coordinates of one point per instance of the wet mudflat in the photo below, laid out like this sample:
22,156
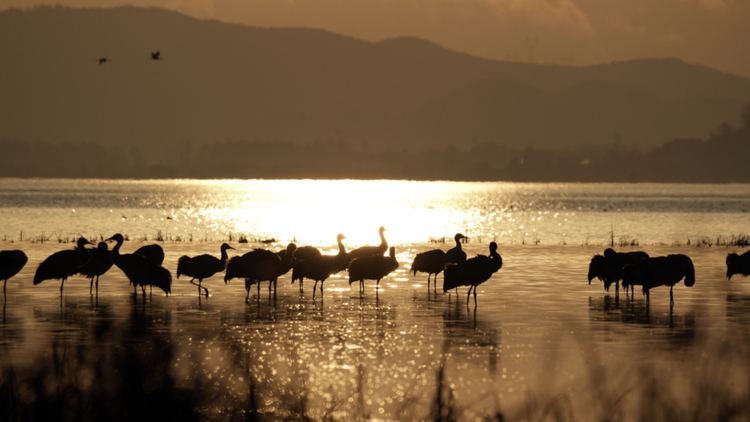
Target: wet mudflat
541,342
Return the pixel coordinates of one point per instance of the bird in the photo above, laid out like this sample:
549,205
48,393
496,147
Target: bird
456,254
608,267
153,253
738,264
430,262
99,263
660,271
306,252
320,267
472,272
11,262
202,266
63,264
155,55
373,267
139,269
103,60
260,265
364,251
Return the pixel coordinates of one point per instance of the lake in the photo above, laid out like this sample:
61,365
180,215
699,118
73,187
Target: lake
541,343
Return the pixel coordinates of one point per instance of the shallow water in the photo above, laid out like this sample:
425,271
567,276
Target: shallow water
539,329
541,339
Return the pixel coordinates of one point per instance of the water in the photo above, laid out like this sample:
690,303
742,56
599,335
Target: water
541,338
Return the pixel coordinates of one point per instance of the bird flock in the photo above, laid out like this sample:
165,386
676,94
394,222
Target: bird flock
144,267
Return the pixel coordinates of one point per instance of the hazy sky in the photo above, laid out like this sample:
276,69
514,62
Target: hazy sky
715,33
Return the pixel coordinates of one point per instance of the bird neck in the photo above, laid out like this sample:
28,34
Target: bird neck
383,242
458,243
224,256
342,248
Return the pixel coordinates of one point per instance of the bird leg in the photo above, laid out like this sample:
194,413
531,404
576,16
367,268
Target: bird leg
617,288
321,290
61,286
468,295
475,298
671,297
377,288
143,290
315,286
97,286
91,286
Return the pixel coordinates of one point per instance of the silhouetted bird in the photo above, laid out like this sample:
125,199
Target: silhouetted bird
472,272
11,262
430,262
155,55
373,267
456,254
140,270
305,252
288,256
608,267
320,267
153,253
738,264
255,267
103,60
660,271
99,263
202,266
63,264
364,251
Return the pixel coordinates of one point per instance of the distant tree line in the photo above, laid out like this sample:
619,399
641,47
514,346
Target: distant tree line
721,158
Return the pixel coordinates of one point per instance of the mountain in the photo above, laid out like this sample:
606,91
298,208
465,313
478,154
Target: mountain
216,82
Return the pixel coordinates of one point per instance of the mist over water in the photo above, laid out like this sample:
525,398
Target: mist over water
540,338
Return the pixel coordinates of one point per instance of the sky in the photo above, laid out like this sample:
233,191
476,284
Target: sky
713,33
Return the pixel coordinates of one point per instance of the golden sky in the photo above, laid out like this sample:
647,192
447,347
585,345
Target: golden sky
714,33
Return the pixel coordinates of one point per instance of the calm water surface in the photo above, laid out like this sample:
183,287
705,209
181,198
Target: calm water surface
539,332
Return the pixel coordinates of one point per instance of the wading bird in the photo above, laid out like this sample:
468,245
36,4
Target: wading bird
364,251
430,262
202,266
456,254
472,272
63,264
738,264
140,270
373,267
320,267
259,265
608,267
99,263
660,271
11,262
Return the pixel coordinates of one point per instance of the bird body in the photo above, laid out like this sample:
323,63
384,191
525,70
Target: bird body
364,251
202,266
320,267
472,272
373,267
153,253
99,263
660,271
456,254
608,267
11,262
140,270
288,256
255,267
738,264
63,264
430,262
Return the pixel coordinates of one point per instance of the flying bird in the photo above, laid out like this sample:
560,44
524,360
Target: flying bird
155,55
103,60
660,271
373,267
99,263
63,264
139,269
430,262
608,267
202,266
472,272
738,264
11,262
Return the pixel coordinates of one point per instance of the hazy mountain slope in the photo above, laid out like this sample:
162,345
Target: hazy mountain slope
221,81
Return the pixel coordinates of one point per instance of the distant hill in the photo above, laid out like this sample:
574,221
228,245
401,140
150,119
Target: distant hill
218,82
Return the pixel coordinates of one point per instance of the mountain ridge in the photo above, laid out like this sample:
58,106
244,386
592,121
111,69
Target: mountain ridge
220,81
